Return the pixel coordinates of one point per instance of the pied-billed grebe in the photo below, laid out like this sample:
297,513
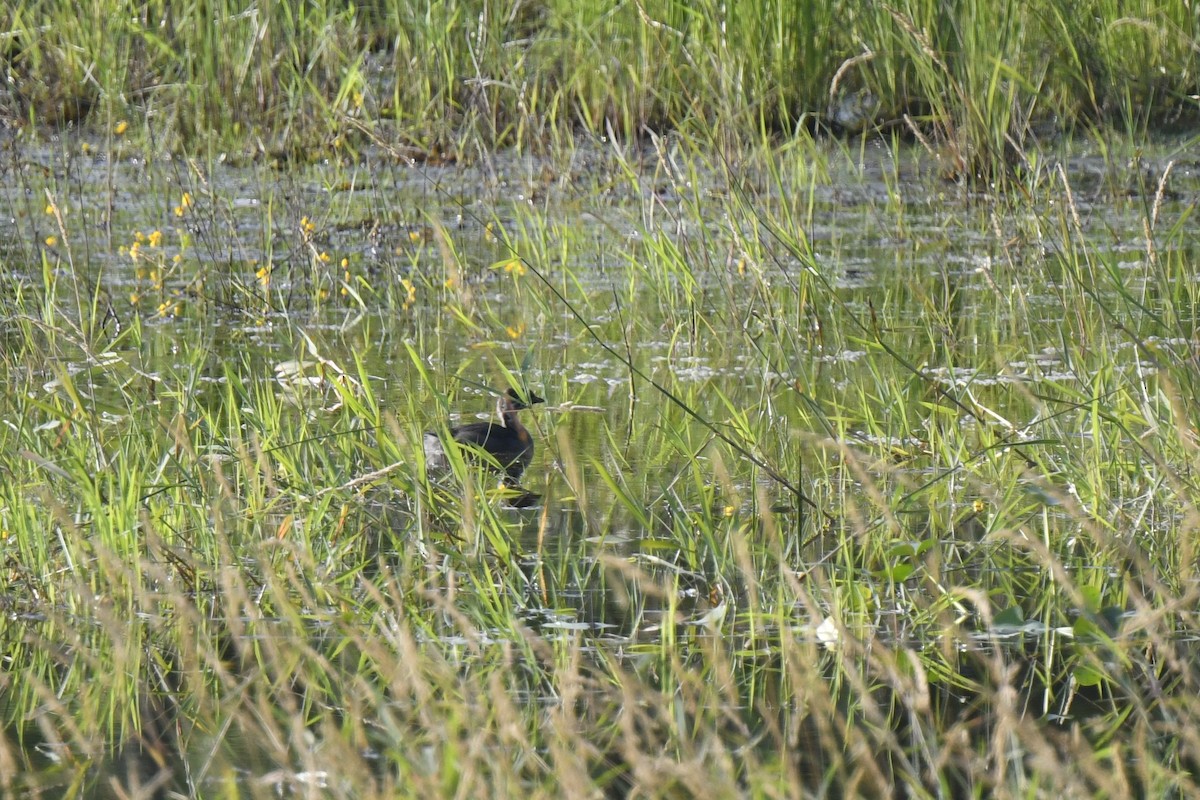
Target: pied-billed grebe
507,442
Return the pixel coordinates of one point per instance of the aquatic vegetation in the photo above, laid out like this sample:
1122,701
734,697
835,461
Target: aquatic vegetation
980,88
867,464
828,471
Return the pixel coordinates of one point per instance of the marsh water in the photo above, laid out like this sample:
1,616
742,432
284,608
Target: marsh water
367,266
886,232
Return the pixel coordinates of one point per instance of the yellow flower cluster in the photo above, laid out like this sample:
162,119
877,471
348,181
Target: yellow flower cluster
141,240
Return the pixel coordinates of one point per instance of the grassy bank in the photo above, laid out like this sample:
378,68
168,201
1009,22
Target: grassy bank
440,78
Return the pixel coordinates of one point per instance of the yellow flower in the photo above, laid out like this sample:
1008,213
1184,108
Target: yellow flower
134,250
264,275
134,298
346,265
51,209
307,226
185,202
155,238
51,241
515,267
414,236
323,257
410,292
517,332
121,127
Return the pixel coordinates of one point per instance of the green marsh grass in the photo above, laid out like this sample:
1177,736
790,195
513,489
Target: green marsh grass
847,492
447,81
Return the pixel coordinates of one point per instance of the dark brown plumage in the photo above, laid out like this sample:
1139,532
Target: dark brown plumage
508,441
